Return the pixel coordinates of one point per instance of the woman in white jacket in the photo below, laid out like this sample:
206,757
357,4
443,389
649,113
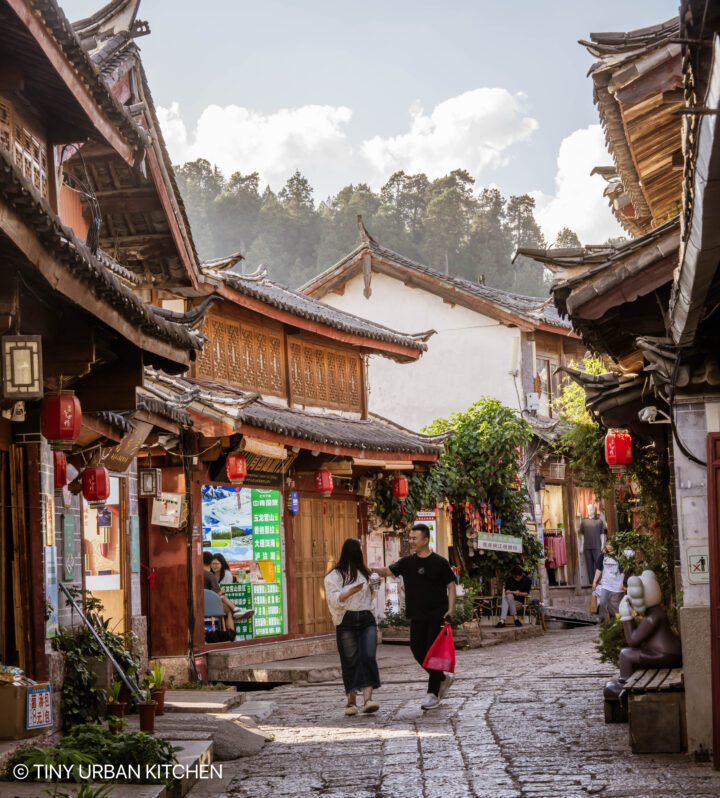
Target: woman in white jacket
349,591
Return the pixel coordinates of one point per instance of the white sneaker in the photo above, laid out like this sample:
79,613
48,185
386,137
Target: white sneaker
431,702
445,685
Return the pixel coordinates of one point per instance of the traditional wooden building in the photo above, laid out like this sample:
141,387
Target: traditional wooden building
650,304
282,383
71,324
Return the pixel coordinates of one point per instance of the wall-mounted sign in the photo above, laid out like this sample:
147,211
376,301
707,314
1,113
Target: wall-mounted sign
119,458
134,544
49,506
294,502
39,706
490,542
168,510
698,565
68,547
429,518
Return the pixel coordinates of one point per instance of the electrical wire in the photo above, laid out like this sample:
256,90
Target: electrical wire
671,402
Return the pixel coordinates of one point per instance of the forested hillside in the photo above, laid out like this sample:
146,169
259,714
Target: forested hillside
447,223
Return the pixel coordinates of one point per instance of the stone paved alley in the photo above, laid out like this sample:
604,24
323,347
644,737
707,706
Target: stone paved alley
523,719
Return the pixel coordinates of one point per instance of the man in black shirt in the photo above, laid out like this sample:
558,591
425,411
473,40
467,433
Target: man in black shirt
429,603
517,588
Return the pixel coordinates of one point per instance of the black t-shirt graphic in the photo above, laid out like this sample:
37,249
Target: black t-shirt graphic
426,580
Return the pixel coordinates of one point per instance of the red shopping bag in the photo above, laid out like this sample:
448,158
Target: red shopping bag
441,656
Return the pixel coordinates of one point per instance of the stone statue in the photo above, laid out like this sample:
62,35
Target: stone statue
651,643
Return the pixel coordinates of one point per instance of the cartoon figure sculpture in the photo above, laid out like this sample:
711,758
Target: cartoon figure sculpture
651,643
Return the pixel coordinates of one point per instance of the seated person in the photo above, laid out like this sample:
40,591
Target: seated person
517,588
210,582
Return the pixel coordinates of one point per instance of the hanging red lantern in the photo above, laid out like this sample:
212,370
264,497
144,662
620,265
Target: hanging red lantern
618,450
324,483
236,468
61,419
400,488
59,470
96,485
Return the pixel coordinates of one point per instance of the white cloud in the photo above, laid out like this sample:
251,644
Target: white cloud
310,138
578,201
472,131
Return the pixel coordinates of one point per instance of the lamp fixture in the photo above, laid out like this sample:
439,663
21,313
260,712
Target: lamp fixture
22,367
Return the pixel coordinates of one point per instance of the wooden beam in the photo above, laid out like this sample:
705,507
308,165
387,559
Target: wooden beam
11,79
112,387
55,55
665,77
129,200
168,206
79,292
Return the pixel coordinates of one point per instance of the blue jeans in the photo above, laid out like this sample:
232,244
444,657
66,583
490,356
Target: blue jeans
357,643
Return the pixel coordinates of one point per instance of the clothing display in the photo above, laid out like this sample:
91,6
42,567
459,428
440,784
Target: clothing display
555,552
592,530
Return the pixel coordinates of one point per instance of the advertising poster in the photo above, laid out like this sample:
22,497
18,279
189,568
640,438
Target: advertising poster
430,520
244,525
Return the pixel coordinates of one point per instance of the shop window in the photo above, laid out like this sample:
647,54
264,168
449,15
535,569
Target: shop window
242,355
323,377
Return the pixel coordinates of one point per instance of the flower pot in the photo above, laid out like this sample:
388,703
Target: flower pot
125,694
147,716
158,696
116,708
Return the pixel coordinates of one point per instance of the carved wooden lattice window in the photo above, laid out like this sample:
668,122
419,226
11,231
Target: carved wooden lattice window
243,355
325,377
25,147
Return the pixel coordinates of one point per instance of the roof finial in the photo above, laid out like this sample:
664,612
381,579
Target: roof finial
366,237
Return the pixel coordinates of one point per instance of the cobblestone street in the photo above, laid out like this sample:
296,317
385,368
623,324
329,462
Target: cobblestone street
522,719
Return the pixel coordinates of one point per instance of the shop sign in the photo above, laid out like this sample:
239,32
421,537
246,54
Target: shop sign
490,542
119,458
167,510
429,518
68,547
244,525
134,544
39,706
294,502
51,591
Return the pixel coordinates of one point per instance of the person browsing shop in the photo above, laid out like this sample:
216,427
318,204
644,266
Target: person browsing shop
429,603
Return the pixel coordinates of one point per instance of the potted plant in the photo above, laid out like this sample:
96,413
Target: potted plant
155,682
115,708
146,708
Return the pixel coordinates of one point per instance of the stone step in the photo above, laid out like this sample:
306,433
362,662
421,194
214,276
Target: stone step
226,665
192,756
202,700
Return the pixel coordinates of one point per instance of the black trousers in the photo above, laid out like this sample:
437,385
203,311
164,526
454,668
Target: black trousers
423,632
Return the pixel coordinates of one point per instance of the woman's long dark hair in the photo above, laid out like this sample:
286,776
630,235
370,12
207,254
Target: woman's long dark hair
351,562
224,567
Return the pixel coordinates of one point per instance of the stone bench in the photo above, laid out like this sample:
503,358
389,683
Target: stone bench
653,704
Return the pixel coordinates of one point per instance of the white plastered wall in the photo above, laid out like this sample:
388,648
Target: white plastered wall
469,357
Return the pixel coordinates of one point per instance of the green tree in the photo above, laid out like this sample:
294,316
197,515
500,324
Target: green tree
566,239
525,232
480,463
200,184
489,247
338,222
450,208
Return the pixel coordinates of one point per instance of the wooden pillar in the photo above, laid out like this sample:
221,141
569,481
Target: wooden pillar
291,597
713,482
35,542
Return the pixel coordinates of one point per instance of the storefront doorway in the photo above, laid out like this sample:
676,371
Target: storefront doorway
105,560
320,529
9,587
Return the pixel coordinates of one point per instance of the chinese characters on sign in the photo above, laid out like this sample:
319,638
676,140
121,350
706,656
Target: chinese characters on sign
39,706
244,525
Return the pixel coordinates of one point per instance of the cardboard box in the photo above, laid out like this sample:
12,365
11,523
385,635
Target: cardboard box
14,713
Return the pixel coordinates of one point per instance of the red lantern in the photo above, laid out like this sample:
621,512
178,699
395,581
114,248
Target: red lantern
96,485
618,450
323,483
61,419
400,488
236,468
59,470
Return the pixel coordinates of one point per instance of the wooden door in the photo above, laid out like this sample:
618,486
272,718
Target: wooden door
713,466
321,527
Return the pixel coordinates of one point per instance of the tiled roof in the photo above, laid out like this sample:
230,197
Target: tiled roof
259,287
74,255
63,33
372,435
532,309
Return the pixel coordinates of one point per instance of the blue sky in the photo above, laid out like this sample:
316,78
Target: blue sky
351,92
